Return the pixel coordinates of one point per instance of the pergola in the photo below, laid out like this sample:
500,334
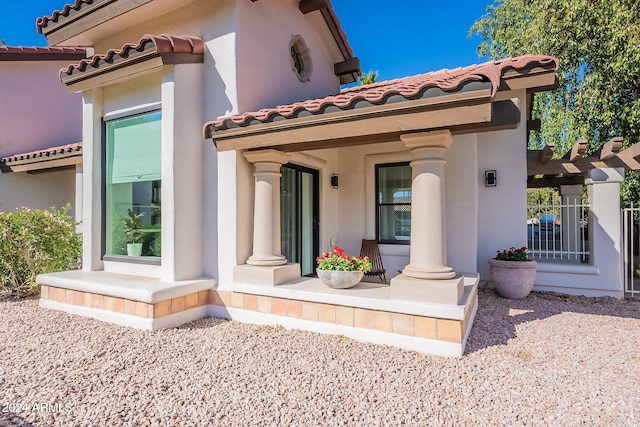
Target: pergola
545,171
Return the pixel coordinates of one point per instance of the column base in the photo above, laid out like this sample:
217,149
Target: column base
269,275
437,274
266,261
437,291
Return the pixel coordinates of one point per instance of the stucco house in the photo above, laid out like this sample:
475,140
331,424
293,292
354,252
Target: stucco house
41,122
221,126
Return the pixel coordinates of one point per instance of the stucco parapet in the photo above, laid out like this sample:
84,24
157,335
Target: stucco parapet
604,175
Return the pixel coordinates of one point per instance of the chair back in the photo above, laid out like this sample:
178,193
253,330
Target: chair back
370,249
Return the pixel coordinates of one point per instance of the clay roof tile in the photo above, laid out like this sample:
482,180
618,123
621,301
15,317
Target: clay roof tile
163,43
47,152
408,88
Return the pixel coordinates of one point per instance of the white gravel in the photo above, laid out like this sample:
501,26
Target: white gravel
545,360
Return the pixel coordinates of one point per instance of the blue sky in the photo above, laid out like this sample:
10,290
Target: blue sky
397,38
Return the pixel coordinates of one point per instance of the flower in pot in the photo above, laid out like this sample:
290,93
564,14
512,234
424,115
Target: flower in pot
513,273
339,270
133,232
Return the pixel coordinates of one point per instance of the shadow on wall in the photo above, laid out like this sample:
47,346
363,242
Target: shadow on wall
216,103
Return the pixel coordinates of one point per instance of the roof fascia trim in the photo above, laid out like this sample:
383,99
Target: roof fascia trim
126,68
87,17
41,163
224,140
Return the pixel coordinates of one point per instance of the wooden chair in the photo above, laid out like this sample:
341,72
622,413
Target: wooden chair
370,249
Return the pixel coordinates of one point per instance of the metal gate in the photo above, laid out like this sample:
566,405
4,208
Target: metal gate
631,249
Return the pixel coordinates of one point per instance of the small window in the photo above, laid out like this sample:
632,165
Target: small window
133,181
300,58
393,203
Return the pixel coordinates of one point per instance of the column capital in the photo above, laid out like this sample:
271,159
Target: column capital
604,175
441,139
267,156
571,190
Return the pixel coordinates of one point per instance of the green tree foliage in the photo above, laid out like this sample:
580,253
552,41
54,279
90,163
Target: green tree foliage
368,78
598,45
2,43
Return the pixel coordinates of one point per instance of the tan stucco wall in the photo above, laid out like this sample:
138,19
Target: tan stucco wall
265,75
36,111
348,213
39,191
502,210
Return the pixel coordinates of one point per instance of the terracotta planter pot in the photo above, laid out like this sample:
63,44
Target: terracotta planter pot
513,279
340,279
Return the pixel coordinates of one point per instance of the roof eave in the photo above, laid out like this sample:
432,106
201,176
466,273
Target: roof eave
42,162
149,54
442,111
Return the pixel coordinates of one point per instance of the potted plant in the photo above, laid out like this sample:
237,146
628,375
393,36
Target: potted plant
133,232
339,270
513,273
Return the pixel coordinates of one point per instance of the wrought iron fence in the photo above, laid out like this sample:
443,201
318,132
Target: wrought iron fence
558,232
631,249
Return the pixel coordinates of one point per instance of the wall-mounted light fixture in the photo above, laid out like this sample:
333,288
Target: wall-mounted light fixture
334,180
490,178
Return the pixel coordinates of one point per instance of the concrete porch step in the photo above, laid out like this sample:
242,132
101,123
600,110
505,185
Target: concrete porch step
135,301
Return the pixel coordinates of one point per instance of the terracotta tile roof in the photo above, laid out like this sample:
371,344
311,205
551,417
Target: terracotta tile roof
65,12
45,154
22,53
415,87
164,43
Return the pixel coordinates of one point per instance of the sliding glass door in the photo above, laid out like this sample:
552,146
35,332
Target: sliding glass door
299,215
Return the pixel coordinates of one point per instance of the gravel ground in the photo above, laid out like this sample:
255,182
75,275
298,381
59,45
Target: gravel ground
545,360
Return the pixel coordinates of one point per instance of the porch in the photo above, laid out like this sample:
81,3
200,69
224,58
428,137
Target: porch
366,312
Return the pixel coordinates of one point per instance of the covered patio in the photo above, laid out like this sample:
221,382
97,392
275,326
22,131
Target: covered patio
415,120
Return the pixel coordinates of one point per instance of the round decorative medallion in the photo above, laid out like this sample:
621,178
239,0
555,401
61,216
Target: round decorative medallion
300,58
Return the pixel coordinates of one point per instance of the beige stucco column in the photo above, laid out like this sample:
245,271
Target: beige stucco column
428,256
266,212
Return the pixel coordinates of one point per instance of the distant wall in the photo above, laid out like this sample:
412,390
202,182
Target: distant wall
38,191
36,110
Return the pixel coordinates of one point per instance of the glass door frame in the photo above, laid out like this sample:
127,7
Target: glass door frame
315,249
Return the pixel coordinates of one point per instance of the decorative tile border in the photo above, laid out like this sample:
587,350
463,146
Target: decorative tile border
126,306
450,330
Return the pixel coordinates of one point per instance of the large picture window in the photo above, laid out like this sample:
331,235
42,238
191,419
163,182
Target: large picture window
133,186
393,203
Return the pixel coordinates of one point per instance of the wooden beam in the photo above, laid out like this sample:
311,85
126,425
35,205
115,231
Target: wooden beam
351,65
555,181
534,125
546,153
631,153
308,6
577,151
611,148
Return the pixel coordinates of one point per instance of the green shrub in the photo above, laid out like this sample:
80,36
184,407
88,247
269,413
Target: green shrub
34,242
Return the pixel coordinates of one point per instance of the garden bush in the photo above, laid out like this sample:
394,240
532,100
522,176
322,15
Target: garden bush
34,242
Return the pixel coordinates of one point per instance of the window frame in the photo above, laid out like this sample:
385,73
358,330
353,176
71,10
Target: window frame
157,261
378,204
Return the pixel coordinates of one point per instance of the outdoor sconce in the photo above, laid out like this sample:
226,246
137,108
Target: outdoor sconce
334,180
490,178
